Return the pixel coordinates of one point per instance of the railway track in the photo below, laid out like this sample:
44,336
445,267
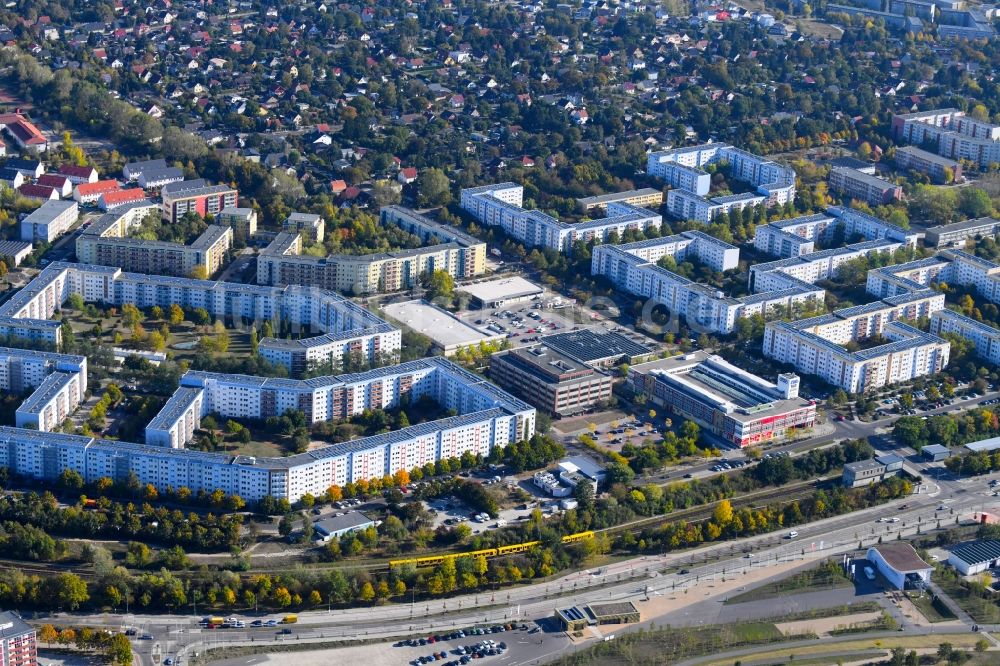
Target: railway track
787,493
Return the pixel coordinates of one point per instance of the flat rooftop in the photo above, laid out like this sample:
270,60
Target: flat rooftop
439,325
618,196
499,290
589,345
709,379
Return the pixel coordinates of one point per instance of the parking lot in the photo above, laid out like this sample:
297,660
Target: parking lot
461,647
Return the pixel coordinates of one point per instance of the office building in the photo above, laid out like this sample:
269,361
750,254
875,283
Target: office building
860,186
18,645
740,407
550,380
683,170
311,227
49,221
958,233
500,206
195,196
939,169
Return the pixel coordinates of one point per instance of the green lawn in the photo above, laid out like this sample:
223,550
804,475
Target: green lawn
827,576
981,609
934,609
666,646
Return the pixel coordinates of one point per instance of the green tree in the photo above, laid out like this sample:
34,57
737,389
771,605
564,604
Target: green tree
441,284
69,591
433,187
176,314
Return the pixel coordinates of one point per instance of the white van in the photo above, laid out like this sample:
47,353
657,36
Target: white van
792,534
501,523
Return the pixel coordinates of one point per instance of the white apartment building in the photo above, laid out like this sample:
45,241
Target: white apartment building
500,206
487,417
816,346
49,221
176,422
346,327
984,338
632,268
683,170
312,227
954,267
52,402
814,266
955,135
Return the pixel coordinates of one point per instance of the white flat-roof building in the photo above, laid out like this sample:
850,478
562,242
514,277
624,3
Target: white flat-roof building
487,417
816,346
498,293
349,328
311,226
683,170
448,332
500,206
49,221
14,252
983,337
52,402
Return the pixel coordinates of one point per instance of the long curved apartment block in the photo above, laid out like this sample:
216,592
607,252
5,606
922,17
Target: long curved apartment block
345,327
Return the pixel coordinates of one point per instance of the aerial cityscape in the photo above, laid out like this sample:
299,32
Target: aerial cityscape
518,333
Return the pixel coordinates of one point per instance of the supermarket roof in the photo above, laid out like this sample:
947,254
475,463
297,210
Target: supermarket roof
493,291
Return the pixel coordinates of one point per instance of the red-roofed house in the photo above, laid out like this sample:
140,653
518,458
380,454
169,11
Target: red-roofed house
110,200
88,193
58,181
338,186
407,175
24,133
37,192
79,174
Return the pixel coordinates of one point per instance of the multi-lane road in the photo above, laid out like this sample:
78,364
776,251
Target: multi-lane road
938,504
634,579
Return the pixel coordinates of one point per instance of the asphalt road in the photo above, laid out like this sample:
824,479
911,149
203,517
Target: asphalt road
633,579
